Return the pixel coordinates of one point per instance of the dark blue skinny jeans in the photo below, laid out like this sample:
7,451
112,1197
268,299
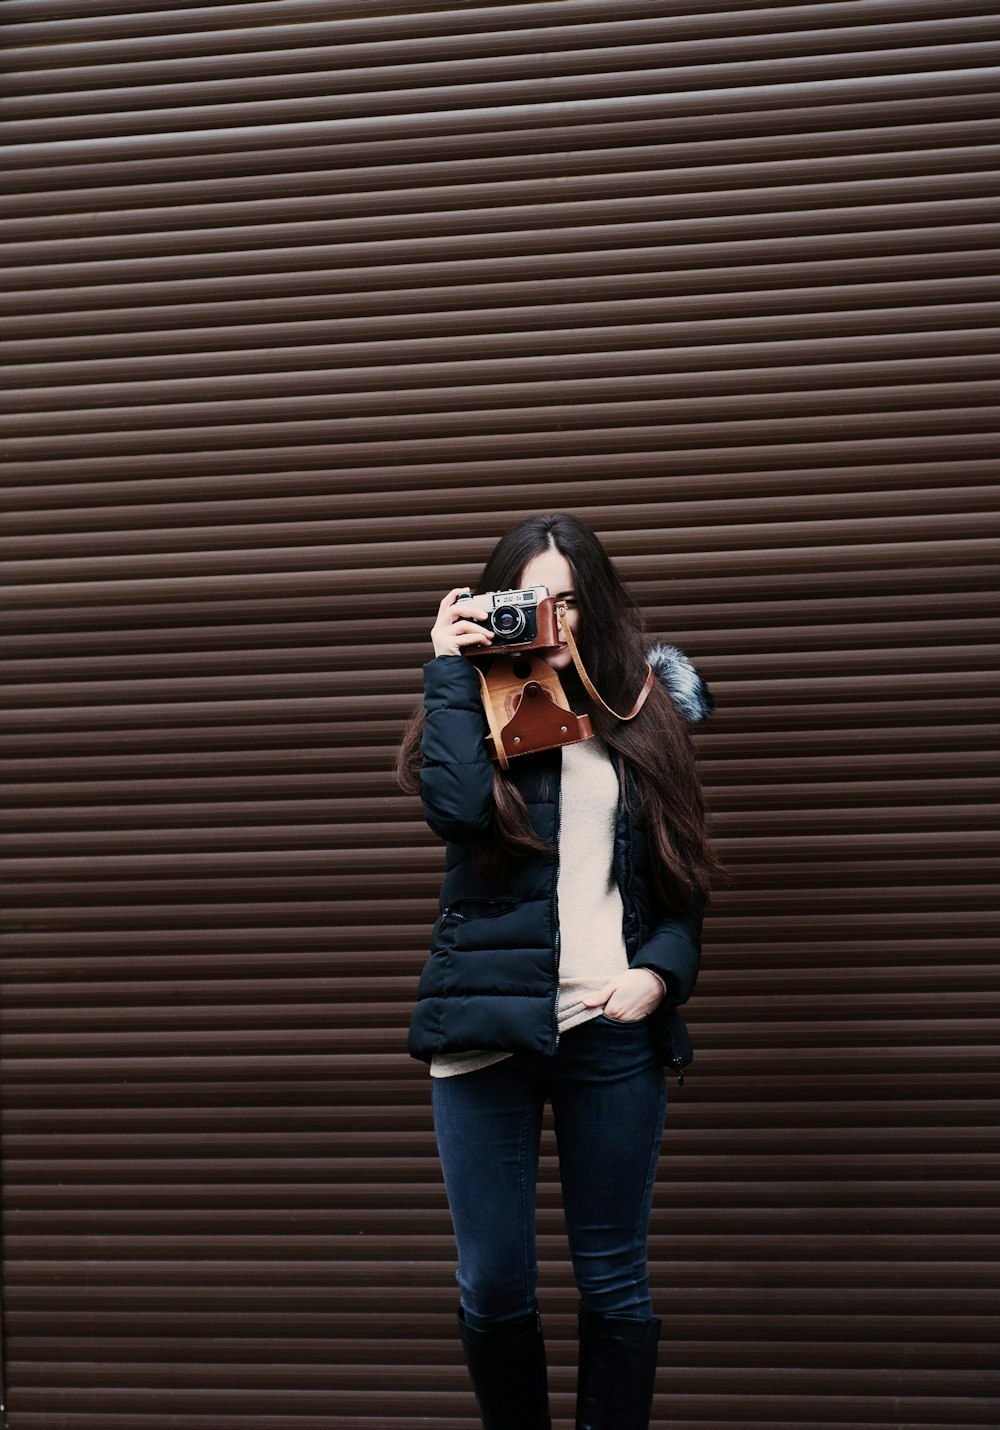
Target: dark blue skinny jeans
609,1102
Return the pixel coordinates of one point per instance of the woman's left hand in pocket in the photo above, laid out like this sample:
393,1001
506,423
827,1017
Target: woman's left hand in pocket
630,996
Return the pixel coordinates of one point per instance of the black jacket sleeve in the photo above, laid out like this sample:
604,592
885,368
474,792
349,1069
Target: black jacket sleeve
673,949
456,774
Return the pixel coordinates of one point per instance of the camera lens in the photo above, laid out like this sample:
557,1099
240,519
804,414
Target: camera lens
508,621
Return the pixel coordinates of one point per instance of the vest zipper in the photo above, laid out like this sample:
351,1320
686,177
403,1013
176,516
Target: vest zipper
630,873
555,899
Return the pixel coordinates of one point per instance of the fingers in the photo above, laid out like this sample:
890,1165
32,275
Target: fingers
451,600
449,604
453,629
471,632
459,624
602,996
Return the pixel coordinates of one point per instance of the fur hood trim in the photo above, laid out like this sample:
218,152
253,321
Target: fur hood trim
684,682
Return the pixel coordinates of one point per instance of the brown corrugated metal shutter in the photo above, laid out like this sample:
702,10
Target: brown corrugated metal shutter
305,304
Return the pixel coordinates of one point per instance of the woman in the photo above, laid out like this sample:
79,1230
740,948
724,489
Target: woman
569,934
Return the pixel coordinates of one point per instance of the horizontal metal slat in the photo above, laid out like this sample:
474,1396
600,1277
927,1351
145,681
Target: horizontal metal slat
295,193
59,185
675,93
380,91
499,53
71,19
808,361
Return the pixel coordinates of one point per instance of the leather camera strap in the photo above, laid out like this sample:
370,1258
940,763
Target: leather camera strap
640,701
500,754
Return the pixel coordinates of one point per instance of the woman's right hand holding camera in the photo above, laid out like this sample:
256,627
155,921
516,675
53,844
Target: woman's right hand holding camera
453,630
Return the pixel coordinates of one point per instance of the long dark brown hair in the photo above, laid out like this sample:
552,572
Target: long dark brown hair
660,785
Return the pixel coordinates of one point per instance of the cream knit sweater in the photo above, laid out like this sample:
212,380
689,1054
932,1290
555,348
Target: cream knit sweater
591,944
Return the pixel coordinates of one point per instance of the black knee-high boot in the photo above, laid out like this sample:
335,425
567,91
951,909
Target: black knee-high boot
507,1366
614,1386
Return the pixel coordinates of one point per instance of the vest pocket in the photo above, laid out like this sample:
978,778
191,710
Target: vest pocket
463,909
468,907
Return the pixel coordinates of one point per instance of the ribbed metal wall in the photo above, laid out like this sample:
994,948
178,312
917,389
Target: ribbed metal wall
305,303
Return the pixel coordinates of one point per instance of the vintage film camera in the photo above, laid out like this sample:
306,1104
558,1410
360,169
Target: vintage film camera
521,619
